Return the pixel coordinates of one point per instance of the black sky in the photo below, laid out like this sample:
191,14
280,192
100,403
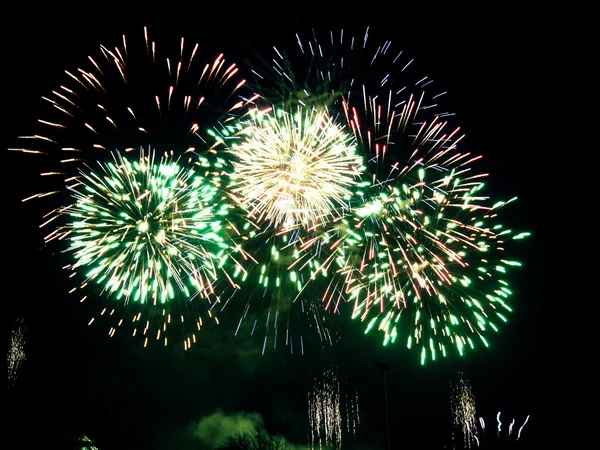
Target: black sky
77,379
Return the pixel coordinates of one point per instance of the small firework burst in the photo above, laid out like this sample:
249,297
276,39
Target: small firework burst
16,352
464,417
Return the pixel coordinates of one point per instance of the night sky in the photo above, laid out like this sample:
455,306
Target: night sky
78,380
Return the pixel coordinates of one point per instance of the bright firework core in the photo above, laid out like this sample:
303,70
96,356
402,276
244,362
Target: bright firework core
294,168
151,227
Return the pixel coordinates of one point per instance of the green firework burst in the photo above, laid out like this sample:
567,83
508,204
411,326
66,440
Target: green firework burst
152,235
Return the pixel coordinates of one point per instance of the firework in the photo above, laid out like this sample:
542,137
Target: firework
424,253
135,95
425,250
16,352
294,168
420,251
332,411
147,231
324,69
463,412
341,186
130,98
153,235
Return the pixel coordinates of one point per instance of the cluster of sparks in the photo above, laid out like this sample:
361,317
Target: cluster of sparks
332,190
463,412
332,412
16,352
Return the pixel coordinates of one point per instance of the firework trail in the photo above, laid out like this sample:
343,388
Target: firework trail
16,352
332,412
463,413
502,434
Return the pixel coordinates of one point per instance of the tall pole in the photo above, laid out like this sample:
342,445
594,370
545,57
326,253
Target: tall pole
384,368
